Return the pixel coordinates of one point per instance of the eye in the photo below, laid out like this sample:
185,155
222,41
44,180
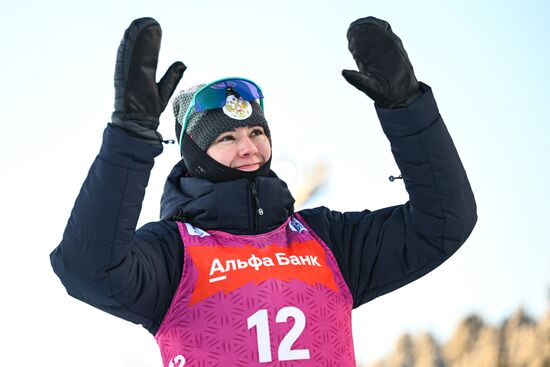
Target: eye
257,131
223,138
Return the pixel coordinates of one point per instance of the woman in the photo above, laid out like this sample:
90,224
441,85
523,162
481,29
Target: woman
231,275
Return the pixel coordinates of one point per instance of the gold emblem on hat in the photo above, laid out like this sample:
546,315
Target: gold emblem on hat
237,108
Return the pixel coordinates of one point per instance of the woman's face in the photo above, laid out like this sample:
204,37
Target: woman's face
245,148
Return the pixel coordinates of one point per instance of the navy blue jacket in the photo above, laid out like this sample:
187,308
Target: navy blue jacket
133,274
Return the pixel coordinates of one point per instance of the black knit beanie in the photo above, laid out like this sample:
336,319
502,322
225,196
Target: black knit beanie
205,126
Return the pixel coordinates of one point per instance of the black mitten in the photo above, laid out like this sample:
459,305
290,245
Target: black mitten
139,100
385,72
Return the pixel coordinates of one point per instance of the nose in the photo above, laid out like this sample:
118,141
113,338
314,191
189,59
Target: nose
247,147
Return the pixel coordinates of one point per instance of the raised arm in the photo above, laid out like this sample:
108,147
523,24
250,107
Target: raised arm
383,250
101,259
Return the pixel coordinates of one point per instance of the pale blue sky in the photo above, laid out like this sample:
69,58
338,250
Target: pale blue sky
487,64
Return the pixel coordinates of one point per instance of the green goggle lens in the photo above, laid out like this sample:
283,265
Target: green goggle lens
214,95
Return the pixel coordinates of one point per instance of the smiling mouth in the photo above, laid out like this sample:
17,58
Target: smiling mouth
249,167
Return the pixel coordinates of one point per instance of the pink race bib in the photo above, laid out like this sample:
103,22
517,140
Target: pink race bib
275,299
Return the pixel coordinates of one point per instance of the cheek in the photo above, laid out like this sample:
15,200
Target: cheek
265,150
221,155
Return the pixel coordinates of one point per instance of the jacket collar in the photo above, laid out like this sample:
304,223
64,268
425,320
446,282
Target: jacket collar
243,206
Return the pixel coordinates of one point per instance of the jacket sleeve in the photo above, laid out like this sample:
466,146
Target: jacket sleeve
382,250
102,259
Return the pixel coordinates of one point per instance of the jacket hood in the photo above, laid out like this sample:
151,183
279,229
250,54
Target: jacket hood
242,206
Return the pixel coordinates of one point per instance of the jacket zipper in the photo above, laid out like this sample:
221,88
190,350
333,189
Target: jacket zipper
257,208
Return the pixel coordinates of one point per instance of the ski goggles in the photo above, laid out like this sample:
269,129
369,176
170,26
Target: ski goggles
214,95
